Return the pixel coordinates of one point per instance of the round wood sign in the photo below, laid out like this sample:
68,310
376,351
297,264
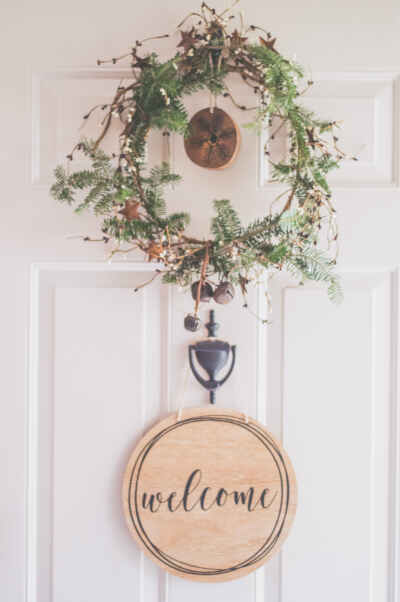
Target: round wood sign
214,138
209,497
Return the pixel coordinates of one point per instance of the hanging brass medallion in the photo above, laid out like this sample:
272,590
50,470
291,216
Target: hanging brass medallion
213,140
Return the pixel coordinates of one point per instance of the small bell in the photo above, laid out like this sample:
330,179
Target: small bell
206,291
191,323
224,293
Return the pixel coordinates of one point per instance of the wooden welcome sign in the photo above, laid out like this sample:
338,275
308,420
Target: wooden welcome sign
211,496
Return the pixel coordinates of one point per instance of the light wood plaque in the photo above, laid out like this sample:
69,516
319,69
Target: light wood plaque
209,497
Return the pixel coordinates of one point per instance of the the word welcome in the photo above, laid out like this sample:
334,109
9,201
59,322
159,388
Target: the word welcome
207,498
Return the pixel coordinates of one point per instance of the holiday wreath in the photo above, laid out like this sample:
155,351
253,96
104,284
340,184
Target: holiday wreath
130,198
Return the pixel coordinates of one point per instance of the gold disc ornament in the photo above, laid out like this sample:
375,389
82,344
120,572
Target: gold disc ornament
209,495
213,140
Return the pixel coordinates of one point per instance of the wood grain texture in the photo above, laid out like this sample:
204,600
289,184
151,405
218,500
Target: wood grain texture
209,497
214,139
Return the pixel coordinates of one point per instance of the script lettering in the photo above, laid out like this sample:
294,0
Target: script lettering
206,498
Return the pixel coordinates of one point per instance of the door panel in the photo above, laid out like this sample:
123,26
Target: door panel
339,434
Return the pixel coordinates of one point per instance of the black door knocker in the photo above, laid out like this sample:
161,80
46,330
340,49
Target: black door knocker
212,355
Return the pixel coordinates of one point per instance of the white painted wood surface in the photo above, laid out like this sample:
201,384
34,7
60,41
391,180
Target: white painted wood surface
88,365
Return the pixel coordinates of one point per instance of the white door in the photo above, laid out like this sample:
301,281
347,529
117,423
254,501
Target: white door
87,365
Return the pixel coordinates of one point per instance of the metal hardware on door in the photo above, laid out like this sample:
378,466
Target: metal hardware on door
212,355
